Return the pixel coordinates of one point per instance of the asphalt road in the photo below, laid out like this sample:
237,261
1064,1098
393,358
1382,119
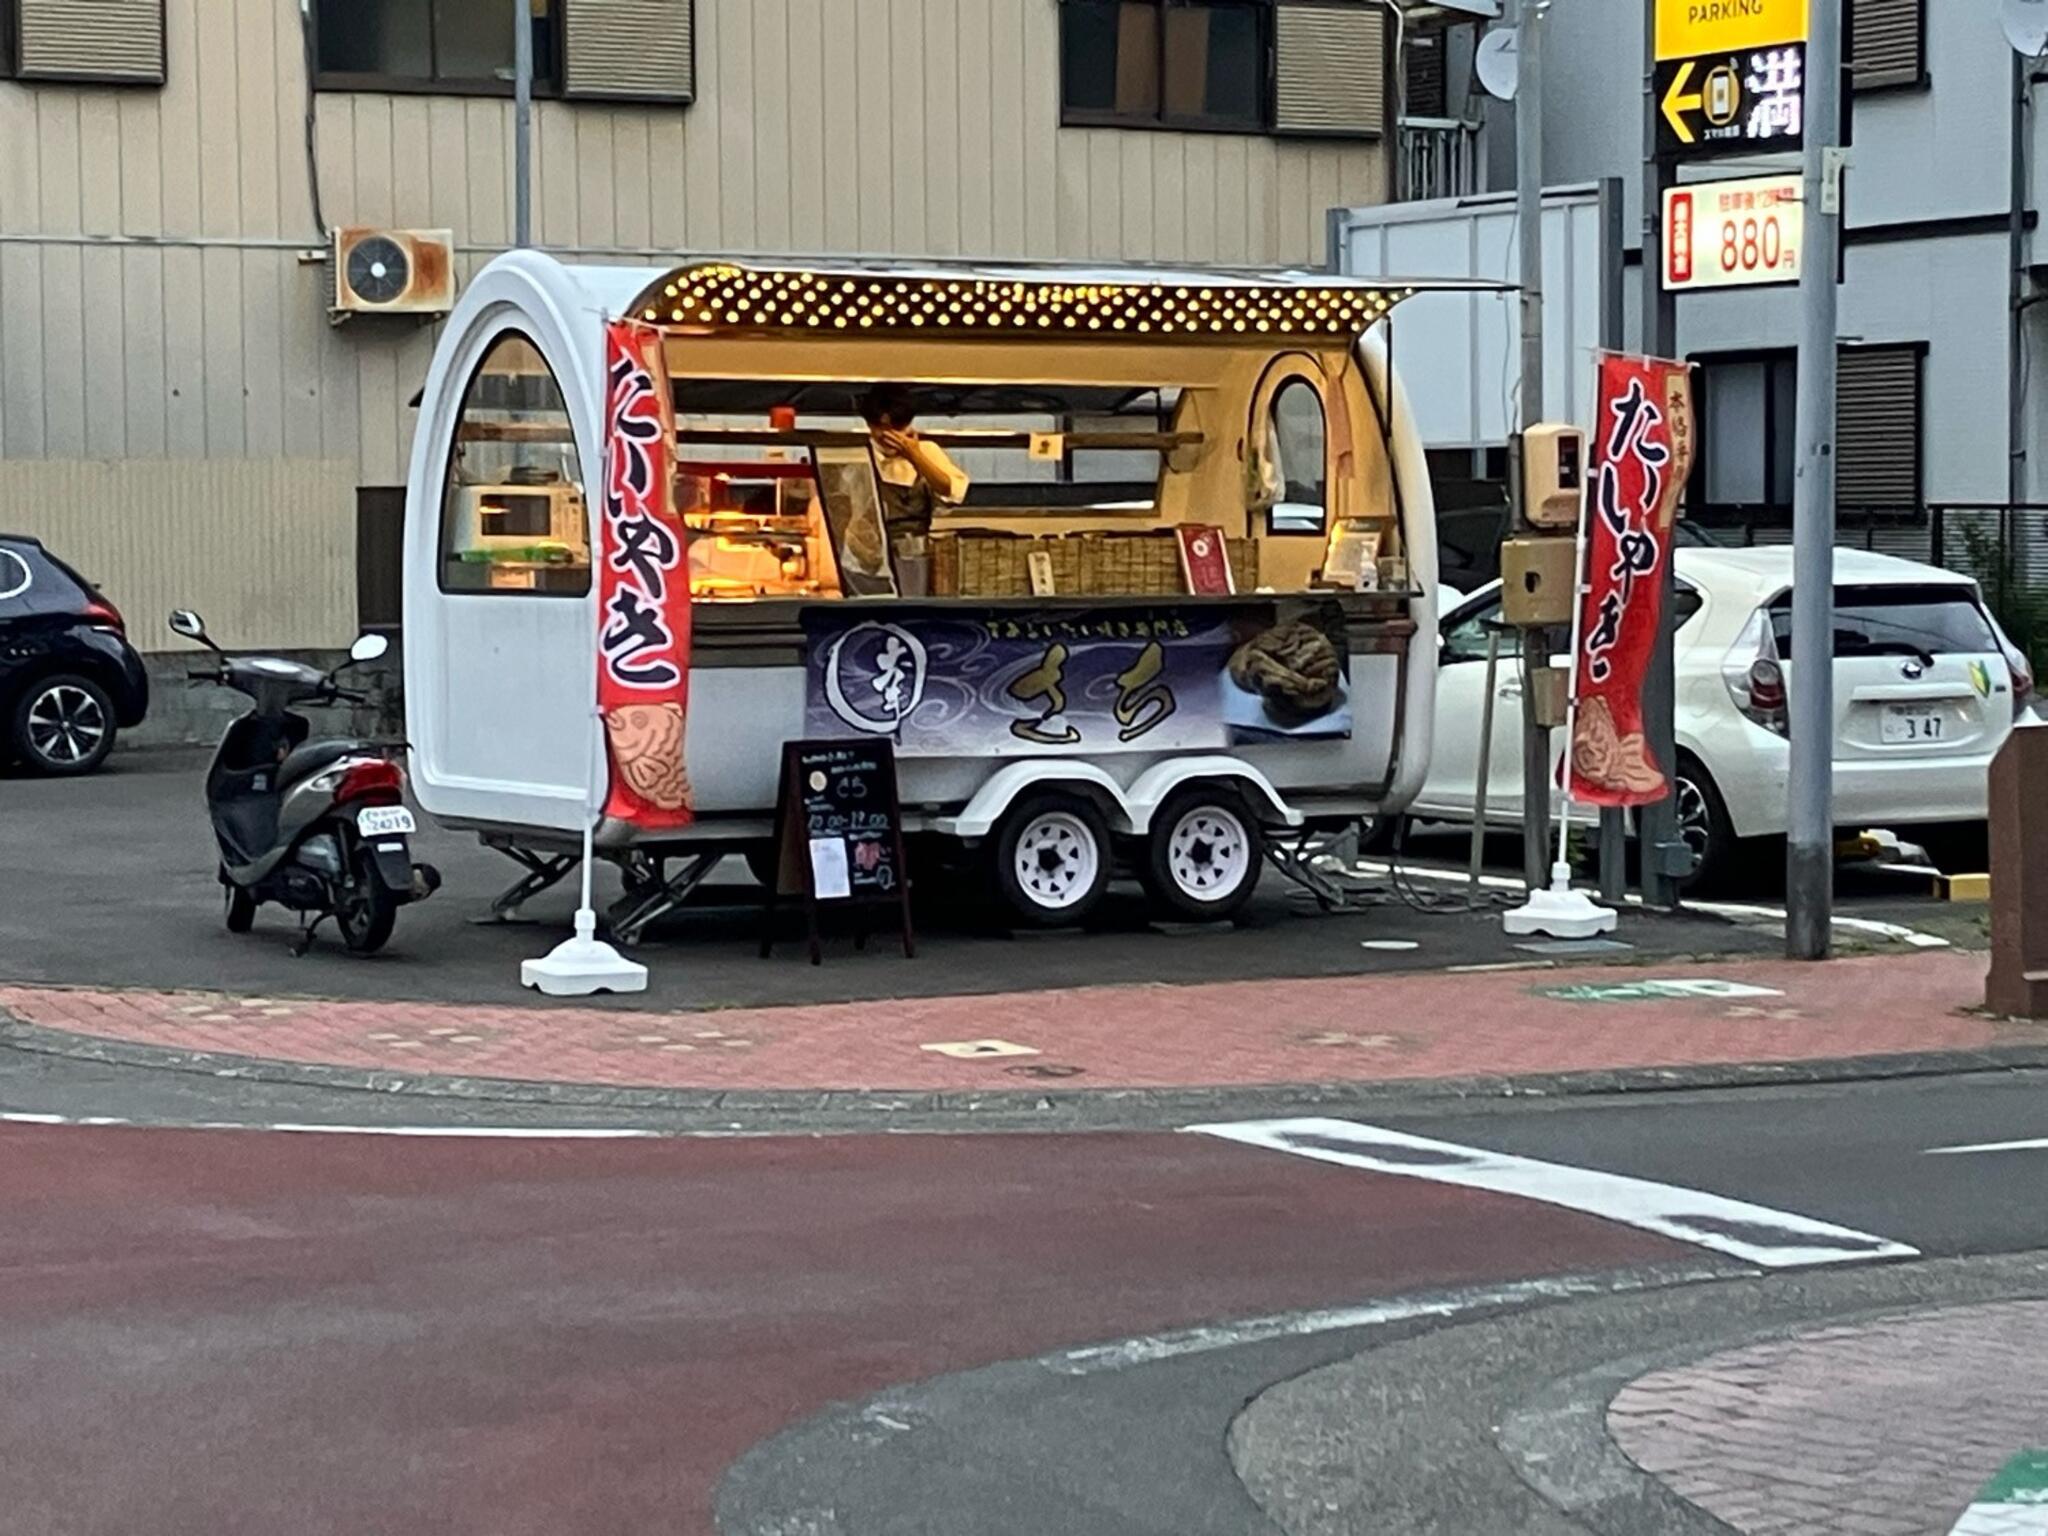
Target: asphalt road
111,881
225,1331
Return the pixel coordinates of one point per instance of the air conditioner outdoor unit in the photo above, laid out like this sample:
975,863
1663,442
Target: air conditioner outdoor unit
393,272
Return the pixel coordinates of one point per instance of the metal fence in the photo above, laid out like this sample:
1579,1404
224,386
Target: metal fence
2005,546
1439,158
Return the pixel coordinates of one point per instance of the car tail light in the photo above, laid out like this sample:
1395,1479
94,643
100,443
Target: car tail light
99,611
377,783
1755,676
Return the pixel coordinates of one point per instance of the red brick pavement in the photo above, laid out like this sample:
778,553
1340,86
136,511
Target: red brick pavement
1887,1429
1335,1029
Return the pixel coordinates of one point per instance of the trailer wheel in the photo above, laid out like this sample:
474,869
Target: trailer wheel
1052,858
1204,854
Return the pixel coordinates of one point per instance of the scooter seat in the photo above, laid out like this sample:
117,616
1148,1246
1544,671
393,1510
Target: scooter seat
303,762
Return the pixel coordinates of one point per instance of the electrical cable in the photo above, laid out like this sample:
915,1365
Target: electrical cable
310,47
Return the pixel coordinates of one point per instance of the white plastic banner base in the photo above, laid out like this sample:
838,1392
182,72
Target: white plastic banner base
1561,912
585,964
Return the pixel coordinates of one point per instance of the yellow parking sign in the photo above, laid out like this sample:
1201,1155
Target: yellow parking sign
1688,28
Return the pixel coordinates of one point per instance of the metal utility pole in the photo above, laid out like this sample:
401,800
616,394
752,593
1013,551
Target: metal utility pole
1529,231
1660,845
522,122
1810,860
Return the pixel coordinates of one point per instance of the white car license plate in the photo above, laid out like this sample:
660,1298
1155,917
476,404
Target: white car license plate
1912,723
384,820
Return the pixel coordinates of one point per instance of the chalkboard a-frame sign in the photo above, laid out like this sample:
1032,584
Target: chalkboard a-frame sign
839,836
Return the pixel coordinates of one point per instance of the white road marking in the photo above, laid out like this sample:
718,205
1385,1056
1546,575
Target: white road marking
1755,1234
2002,1519
2037,1144
472,1132
1147,1348
1871,926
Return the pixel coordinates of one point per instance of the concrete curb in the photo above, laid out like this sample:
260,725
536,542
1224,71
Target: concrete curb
1016,1108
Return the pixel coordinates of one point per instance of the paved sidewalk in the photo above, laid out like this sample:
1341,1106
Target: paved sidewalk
1885,1429
1328,1030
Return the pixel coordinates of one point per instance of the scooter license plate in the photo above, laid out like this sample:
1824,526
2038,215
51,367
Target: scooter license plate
384,820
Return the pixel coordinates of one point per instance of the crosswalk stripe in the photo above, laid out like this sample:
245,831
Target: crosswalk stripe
1755,1234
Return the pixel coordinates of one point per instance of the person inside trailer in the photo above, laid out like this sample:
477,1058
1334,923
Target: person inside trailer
916,473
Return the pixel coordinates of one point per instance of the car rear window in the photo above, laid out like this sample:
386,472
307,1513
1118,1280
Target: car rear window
1898,621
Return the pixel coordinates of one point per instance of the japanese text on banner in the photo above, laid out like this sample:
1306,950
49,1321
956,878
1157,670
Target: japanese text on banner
1642,455
643,676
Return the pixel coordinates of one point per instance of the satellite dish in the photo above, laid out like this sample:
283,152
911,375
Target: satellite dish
1498,61
2026,26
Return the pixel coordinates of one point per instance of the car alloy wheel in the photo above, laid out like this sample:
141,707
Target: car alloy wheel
1695,819
65,726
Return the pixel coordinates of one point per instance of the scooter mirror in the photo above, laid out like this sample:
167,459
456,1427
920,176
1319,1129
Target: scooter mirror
187,623
368,648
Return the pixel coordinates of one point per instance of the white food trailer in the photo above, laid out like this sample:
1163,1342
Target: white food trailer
1176,593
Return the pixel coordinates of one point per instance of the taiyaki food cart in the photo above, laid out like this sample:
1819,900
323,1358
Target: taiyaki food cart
1134,569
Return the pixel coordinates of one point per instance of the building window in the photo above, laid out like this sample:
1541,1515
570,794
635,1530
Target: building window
1887,43
1145,63
1425,77
430,45
9,25
1747,411
512,519
1878,425
1748,415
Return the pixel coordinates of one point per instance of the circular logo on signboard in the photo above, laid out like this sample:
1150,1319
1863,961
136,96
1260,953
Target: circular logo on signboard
874,677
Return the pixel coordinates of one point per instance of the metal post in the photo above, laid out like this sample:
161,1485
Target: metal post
2016,293
522,122
1614,338
1529,230
1478,850
1657,825
1810,860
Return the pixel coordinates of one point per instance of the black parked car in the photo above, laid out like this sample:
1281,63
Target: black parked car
69,679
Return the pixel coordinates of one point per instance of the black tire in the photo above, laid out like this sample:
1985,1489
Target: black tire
1704,827
762,865
367,911
1204,854
241,911
1052,858
63,725
1954,848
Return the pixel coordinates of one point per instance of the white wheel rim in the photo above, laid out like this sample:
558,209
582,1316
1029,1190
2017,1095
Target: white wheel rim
1056,861
1208,853
66,724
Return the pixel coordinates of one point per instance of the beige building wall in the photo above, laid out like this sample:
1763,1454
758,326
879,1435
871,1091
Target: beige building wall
163,292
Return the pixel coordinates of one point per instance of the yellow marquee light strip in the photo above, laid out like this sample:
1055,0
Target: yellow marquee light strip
728,297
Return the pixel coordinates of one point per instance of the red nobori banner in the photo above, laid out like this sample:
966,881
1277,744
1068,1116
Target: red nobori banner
1642,454
643,669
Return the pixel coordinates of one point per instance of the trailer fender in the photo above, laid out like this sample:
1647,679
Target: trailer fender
981,814
1159,781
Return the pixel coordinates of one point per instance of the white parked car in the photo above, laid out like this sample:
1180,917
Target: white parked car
1926,688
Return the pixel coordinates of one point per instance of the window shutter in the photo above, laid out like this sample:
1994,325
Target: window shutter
631,49
1877,427
1424,90
1888,42
118,41
1330,68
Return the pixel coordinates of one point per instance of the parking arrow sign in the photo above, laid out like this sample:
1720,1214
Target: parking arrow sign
1678,102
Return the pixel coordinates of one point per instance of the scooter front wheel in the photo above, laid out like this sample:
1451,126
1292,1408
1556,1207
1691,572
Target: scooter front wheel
367,909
